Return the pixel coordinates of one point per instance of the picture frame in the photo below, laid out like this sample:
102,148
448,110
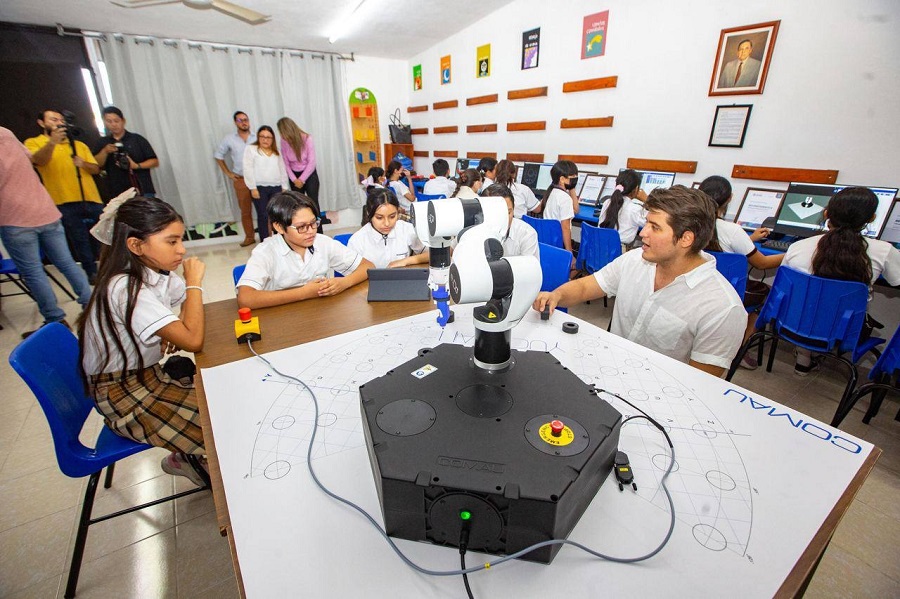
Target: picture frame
730,126
743,58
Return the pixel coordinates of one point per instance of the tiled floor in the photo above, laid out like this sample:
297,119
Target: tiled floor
174,550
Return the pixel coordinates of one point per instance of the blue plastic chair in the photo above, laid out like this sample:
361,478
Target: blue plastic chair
48,363
343,238
598,248
549,230
555,263
427,197
733,267
885,371
236,273
818,314
10,274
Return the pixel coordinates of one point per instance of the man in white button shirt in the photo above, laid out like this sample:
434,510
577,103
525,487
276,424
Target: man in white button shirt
440,185
669,295
234,144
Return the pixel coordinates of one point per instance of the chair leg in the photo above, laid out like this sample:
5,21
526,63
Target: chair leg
61,286
194,461
848,397
747,346
107,482
81,536
772,351
874,405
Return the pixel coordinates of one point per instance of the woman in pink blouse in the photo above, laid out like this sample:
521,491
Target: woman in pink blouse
299,155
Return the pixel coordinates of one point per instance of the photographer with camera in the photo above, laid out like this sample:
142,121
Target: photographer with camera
125,156
66,167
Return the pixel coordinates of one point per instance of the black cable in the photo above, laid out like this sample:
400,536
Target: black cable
465,576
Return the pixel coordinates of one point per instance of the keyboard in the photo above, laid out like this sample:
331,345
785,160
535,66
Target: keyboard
776,244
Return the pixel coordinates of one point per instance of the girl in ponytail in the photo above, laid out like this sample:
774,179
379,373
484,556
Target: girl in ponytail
468,184
559,201
624,209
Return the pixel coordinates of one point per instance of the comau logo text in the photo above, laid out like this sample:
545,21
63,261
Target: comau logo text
464,464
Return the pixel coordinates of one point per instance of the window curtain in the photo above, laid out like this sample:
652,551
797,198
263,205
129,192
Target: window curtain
181,95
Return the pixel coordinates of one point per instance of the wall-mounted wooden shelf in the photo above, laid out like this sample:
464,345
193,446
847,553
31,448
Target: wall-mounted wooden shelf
589,84
482,155
421,153
490,99
584,158
531,92
648,164
446,104
584,123
488,128
520,157
527,126
422,131
771,173
417,108
451,129
446,153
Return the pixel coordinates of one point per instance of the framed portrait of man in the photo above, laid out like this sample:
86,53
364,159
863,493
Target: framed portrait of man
742,59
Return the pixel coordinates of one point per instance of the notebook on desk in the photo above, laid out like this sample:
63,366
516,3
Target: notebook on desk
398,284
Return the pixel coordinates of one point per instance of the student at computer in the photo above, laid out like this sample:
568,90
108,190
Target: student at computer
468,185
384,239
669,295
440,185
394,173
294,264
559,201
487,167
624,210
375,178
842,252
521,239
525,199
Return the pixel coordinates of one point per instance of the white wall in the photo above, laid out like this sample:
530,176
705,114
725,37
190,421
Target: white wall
829,103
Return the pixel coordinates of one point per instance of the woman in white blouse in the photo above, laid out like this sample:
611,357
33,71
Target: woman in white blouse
264,175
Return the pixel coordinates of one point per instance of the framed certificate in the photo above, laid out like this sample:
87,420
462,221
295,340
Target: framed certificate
758,205
730,125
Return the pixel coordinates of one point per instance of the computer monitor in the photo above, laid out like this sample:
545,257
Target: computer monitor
530,172
802,213
650,180
591,189
891,231
580,183
608,188
519,171
544,179
464,163
757,205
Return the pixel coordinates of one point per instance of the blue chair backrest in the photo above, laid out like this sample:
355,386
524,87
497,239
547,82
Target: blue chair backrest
555,263
598,247
343,238
236,273
427,197
816,313
549,230
48,363
734,268
889,361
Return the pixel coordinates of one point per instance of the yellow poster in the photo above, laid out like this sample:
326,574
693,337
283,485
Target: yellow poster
483,61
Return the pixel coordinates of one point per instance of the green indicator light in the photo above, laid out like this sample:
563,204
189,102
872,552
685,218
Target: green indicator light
465,515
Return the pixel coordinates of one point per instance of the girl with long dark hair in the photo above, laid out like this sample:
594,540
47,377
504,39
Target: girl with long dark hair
384,239
405,195
524,199
559,201
468,184
624,209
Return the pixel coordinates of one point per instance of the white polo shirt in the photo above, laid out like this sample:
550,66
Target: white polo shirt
885,258
273,265
632,217
559,206
380,249
521,240
524,199
439,186
698,316
400,190
732,238
159,296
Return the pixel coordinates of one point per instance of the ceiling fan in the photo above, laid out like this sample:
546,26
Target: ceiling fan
232,10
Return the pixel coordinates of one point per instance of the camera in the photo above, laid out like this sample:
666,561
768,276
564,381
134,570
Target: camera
72,129
121,157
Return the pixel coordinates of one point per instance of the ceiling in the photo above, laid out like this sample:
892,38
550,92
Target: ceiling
389,28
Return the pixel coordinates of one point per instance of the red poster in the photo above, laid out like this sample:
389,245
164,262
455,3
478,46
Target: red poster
593,35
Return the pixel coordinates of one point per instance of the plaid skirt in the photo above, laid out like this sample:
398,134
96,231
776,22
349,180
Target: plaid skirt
161,411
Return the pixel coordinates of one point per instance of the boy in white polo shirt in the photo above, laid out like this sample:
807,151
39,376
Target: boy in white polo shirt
669,295
294,265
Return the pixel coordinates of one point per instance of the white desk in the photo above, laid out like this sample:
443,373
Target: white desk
758,488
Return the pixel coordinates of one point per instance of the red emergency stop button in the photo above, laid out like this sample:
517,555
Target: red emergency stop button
556,427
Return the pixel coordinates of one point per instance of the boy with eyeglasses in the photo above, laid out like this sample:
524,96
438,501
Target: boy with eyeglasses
294,264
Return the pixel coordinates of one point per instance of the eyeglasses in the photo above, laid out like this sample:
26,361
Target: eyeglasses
304,227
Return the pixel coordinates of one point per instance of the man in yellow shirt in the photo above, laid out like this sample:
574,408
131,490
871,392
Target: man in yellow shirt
67,167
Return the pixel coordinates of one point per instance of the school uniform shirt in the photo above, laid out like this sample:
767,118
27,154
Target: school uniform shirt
487,181
733,238
273,265
885,258
400,190
439,186
380,249
698,316
524,199
264,171
466,193
559,206
521,240
632,217
159,297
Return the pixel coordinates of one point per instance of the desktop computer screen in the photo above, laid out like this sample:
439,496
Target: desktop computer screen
650,180
464,163
802,213
591,189
891,231
544,180
581,176
530,172
519,171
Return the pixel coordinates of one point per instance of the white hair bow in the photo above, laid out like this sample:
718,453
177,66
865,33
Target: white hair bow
103,230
